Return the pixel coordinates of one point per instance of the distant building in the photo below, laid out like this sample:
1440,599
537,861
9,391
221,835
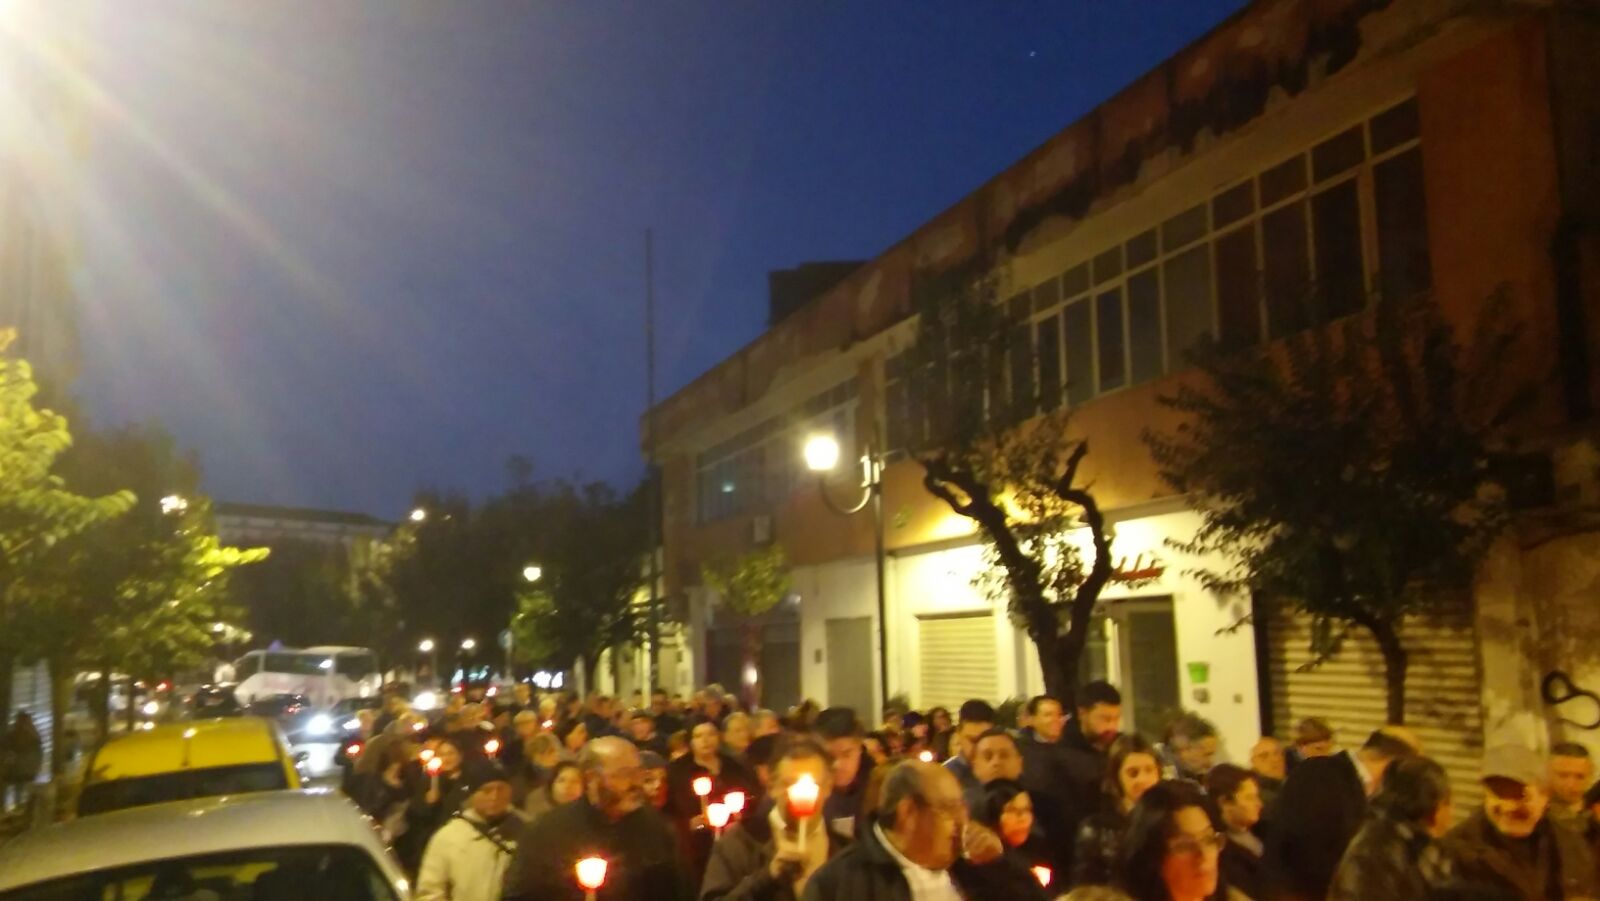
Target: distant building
260,524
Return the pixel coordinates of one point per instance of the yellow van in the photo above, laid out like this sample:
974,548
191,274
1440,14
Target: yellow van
199,759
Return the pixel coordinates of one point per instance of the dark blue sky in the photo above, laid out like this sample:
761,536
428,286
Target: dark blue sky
346,250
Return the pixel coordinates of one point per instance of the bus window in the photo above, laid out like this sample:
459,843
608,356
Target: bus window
355,666
296,664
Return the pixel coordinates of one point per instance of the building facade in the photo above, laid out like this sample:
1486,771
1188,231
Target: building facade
1334,150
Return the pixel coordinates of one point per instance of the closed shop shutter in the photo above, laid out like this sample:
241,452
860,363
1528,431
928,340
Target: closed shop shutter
30,691
957,656
1443,691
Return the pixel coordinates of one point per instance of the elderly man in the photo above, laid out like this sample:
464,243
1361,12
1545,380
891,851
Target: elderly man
1511,844
611,821
1270,766
913,847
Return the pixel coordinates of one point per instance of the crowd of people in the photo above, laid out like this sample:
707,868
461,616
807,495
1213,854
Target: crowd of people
561,797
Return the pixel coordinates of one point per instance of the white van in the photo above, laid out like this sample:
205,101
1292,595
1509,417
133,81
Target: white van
325,675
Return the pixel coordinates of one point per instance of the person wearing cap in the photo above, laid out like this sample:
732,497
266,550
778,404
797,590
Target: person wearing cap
1322,806
466,860
1511,845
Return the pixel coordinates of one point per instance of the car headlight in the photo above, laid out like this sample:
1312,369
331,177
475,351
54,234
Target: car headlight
321,724
351,725
151,708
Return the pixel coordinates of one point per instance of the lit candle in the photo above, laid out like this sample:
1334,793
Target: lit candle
425,755
734,801
1043,875
926,757
434,766
491,747
702,787
591,875
717,814
802,799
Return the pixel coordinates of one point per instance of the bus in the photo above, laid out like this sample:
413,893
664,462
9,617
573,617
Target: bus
325,675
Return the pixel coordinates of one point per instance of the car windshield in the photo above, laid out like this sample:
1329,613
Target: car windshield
329,873
117,794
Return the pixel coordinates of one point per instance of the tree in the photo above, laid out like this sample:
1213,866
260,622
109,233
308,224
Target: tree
1015,475
1350,473
749,586
592,550
37,509
141,592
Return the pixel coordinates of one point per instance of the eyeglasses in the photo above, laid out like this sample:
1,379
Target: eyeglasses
1197,845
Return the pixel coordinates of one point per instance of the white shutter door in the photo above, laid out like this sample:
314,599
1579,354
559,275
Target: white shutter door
30,691
1443,691
957,656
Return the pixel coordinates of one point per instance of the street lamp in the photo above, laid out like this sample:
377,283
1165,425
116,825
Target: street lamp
419,515
174,503
469,644
532,572
428,647
822,453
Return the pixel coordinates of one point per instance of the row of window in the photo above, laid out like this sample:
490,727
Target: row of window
1299,244
760,467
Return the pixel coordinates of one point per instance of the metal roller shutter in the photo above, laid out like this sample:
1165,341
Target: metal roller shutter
957,656
1443,691
30,691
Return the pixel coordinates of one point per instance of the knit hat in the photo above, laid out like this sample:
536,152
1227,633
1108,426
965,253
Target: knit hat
478,773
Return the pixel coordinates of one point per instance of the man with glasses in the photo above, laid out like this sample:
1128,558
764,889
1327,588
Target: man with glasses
612,821
917,845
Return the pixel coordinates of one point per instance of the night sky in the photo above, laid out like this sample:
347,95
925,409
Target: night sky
346,250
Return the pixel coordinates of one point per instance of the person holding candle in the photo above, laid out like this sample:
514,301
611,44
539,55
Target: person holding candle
771,853
438,795
466,859
611,822
1004,808
695,780
841,733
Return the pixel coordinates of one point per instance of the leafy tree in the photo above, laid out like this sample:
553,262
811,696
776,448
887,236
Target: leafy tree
139,593
37,509
1015,475
1350,472
591,547
749,586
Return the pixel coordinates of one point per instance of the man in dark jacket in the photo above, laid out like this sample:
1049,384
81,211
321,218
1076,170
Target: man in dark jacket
1511,844
613,822
1395,856
840,731
917,833
1321,807
761,858
1059,803
976,717
1086,740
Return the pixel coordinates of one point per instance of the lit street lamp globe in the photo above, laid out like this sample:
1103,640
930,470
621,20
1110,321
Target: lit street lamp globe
468,644
426,646
822,453
418,515
532,573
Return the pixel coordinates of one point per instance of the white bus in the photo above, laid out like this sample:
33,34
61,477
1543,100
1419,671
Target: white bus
325,675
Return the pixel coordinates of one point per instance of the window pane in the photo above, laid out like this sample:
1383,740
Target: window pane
1233,204
1238,304
1404,269
1046,295
1281,181
1395,126
1144,326
895,415
1108,265
1184,228
999,406
916,408
1141,249
1187,277
1020,307
1075,281
1336,226
1020,354
1109,329
1049,345
1287,269
1080,352
1339,153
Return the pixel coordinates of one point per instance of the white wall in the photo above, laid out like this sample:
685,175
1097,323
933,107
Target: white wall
940,582
847,588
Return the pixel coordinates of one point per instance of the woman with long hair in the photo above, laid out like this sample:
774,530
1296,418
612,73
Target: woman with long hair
706,759
564,786
1172,848
1005,808
941,730
573,734
1132,767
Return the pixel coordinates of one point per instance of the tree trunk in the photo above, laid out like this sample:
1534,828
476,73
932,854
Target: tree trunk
60,704
1395,662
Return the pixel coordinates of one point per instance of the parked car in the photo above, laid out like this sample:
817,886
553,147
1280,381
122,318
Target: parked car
187,760
214,700
273,846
